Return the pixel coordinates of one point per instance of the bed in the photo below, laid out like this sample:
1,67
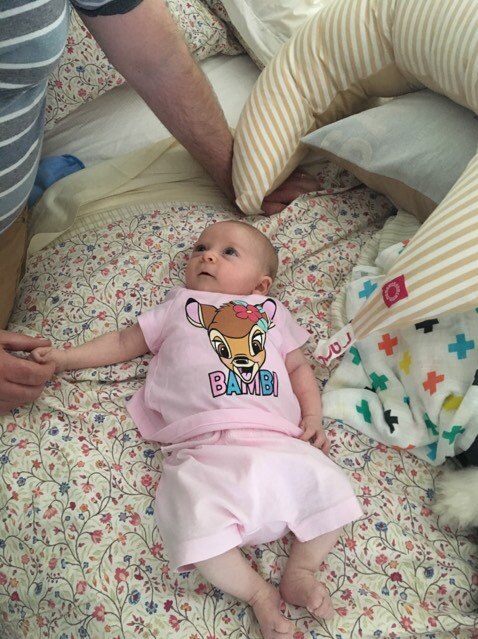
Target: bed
80,555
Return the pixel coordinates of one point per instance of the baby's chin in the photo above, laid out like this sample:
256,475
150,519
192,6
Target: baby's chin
203,283
211,285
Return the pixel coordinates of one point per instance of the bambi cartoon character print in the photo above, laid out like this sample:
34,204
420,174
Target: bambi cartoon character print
237,332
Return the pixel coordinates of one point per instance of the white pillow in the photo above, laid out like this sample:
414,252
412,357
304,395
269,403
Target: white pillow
265,25
413,148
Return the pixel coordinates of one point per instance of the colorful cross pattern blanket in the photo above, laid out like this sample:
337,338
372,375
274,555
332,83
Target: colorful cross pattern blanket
414,388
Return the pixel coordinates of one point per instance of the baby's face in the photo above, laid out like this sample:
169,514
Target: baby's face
225,259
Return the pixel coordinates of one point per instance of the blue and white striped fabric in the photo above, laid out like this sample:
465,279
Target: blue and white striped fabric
32,37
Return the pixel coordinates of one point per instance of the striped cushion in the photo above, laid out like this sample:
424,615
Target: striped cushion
351,50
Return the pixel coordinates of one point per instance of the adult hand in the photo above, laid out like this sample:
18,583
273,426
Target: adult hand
21,381
298,183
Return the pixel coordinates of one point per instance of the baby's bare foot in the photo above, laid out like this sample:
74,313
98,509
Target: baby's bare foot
266,606
301,588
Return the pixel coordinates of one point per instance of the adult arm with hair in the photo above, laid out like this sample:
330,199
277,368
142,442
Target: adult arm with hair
147,48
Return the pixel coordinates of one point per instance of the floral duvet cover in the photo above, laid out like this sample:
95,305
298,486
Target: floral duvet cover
80,555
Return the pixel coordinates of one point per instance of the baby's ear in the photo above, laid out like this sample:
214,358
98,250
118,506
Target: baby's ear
263,286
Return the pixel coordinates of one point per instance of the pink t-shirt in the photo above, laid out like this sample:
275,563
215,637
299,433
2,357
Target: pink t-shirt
218,363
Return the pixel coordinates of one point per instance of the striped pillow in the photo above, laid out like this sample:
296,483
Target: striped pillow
347,52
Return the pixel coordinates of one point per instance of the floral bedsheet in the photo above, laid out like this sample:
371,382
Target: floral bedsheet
80,555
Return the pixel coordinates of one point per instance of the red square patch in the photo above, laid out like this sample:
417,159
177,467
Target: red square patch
394,291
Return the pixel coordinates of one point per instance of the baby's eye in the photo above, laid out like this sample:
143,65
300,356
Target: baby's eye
230,251
199,248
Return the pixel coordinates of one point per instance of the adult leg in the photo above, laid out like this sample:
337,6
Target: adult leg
299,585
232,573
12,260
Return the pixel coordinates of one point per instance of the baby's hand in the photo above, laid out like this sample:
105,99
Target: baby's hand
46,354
314,432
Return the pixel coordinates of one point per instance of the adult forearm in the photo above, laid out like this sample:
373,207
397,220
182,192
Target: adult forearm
146,46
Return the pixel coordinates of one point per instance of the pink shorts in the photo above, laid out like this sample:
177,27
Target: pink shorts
248,486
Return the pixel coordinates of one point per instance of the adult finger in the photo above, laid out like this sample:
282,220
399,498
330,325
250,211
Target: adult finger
296,184
289,191
16,395
270,208
18,342
25,372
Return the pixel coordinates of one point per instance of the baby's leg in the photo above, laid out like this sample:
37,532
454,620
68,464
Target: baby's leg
299,585
233,574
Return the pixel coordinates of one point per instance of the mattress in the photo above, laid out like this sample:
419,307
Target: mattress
80,553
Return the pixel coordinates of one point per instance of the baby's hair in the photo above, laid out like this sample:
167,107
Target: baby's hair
271,261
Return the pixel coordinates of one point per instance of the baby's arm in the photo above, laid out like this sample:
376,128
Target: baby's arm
111,348
307,392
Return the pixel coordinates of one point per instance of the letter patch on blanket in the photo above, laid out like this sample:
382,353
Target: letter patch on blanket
329,349
394,291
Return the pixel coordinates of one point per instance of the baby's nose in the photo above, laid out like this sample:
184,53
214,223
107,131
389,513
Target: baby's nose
208,256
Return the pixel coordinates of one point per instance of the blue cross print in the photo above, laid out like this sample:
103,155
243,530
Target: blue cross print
461,346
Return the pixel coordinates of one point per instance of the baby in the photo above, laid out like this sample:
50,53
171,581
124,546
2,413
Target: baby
231,393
